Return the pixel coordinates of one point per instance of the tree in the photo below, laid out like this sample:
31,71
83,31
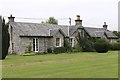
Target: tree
85,43
5,39
51,20
116,33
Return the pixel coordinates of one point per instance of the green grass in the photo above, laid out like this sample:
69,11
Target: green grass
75,65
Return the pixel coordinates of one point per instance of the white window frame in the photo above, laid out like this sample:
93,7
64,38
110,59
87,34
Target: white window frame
59,42
36,43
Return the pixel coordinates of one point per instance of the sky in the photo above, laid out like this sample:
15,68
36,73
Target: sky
93,12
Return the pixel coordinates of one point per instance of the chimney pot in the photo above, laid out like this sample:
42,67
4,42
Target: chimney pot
11,18
105,26
78,21
78,17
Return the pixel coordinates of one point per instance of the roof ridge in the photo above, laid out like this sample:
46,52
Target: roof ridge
93,28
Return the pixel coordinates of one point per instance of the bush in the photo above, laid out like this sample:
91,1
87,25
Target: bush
115,46
59,50
49,50
29,49
76,48
101,46
67,46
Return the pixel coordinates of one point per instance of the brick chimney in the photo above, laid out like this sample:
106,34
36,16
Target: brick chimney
78,21
105,26
11,18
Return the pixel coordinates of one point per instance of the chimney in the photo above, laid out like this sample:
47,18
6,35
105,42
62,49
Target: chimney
105,26
11,18
78,21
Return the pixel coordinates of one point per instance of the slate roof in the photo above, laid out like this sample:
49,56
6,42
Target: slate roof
53,32
73,29
109,34
99,32
37,29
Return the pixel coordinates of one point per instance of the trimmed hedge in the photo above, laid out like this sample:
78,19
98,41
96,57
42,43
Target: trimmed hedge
101,46
115,46
59,50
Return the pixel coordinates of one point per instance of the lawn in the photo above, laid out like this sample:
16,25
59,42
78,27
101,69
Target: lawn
74,65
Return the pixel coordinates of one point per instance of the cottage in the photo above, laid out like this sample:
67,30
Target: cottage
43,36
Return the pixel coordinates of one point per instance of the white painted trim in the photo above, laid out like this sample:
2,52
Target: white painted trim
73,42
60,42
35,44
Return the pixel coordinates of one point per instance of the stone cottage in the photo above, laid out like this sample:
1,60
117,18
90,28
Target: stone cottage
43,36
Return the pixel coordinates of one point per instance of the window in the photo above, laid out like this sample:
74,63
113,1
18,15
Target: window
58,42
72,42
35,45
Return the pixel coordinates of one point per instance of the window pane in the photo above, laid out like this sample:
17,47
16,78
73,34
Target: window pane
36,44
33,44
57,41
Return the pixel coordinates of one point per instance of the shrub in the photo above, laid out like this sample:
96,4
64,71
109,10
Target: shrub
29,49
67,46
115,46
59,50
76,48
49,50
101,46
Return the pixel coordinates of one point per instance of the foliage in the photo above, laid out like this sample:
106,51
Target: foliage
5,39
101,46
51,20
85,43
117,33
76,48
115,46
49,50
57,50
67,46
29,48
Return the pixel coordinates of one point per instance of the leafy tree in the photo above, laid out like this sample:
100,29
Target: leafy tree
5,39
116,33
85,43
51,20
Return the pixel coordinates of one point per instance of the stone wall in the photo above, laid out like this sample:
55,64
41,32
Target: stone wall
58,35
18,45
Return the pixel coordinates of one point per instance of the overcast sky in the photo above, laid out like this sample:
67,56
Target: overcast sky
92,12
